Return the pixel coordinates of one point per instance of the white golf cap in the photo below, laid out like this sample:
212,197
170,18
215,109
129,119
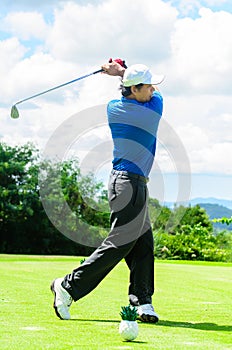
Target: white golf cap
140,74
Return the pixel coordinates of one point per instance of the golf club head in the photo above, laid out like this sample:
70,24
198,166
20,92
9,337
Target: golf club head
14,112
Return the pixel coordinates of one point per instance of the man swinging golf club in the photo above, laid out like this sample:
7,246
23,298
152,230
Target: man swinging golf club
133,121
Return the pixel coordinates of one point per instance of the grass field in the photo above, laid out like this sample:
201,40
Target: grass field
194,301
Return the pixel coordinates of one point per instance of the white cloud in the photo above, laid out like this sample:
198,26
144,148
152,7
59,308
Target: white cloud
207,151
25,25
11,52
92,33
202,53
203,124
213,159
23,76
41,70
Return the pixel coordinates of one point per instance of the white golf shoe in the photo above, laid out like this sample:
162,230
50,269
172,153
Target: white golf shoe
147,313
62,300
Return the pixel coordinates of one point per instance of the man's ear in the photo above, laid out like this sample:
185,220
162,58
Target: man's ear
134,89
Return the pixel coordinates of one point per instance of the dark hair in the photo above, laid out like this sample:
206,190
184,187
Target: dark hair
126,90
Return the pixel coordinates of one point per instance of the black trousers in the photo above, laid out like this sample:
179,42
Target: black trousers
130,237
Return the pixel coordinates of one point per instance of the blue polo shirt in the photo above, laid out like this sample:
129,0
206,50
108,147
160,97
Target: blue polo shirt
134,127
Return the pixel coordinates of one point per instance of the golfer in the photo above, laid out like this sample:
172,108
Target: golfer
133,121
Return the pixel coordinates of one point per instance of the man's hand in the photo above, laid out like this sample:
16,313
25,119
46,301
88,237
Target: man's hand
113,68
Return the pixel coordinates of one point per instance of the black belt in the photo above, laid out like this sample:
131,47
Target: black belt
129,174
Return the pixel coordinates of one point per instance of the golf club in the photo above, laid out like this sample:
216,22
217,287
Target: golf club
14,111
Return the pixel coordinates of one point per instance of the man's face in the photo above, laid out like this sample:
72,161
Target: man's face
143,94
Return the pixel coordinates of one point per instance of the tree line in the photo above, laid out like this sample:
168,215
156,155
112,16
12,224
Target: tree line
30,186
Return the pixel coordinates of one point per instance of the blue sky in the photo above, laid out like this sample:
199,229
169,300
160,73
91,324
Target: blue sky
46,43
190,8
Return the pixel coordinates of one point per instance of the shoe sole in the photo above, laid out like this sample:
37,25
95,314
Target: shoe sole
52,287
148,318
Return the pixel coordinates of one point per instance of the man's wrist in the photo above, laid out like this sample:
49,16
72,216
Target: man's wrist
114,69
121,72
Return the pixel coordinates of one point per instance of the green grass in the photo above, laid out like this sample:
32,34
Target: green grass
192,299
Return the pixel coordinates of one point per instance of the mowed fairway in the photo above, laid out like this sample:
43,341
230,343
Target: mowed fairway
194,301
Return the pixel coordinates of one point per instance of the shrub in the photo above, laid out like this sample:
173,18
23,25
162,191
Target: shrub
192,243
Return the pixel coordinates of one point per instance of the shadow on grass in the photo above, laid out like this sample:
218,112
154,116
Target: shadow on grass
92,320
134,342
202,326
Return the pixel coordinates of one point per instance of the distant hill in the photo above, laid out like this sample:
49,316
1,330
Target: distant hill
217,211
211,200
215,208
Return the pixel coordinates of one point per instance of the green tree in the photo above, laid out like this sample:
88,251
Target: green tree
224,220
190,243
18,190
187,233
160,215
191,216
24,225
171,221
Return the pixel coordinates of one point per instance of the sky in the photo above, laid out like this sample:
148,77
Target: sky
47,43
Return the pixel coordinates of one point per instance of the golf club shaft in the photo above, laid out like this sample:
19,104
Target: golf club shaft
59,86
